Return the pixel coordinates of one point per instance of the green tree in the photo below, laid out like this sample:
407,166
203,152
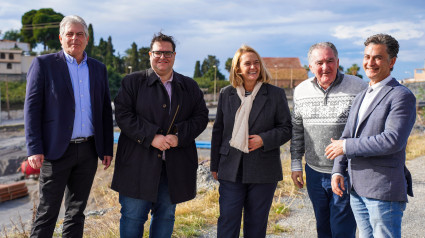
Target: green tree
45,24
119,64
208,63
354,70
132,58
114,78
144,61
109,56
228,64
90,44
16,93
99,51
27,32
197,73
14,35
208,70
210,74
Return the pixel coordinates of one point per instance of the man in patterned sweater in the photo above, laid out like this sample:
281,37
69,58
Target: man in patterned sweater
321,106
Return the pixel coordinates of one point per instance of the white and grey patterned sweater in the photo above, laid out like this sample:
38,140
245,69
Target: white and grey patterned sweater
319,116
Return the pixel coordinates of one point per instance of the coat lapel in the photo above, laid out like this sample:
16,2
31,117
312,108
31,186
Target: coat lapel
63,67
355,112
257,105
234,101
177,91
92,79
382,93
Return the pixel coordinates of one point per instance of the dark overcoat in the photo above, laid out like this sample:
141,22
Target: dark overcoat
142,110
269,118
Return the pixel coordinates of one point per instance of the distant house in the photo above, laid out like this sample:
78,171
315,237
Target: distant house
14,60
419,75
286,72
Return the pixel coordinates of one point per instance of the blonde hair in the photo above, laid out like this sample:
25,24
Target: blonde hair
236,79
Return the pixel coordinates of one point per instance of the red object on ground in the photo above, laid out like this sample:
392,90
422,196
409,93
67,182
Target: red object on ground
27,169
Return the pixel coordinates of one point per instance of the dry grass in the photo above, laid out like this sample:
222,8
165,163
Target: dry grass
200,214
194,217
415,146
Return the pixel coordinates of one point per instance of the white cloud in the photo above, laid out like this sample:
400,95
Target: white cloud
402,30
411,55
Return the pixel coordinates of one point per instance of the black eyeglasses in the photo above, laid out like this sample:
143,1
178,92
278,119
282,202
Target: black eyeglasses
158,54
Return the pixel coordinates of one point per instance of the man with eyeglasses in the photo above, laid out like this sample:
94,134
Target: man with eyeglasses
160,113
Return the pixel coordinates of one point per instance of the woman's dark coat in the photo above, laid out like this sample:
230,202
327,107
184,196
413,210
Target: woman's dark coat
269,118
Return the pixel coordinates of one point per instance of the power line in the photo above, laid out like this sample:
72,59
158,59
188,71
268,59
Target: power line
40,26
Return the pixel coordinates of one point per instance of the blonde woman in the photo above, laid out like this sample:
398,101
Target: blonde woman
252,122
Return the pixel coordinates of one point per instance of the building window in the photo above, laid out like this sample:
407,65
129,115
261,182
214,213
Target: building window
2,56
11,56
9,66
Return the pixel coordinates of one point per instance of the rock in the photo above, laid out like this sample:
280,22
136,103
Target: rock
205,180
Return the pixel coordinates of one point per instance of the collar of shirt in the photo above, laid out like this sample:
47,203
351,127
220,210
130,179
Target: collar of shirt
330,86
380,84
71,59
167,84
168,81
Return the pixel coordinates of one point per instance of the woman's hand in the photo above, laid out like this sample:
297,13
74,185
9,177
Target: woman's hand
254,142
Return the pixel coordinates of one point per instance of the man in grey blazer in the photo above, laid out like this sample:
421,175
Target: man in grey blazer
373,145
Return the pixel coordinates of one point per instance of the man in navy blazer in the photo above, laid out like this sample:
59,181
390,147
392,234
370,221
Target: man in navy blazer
68,125
373,145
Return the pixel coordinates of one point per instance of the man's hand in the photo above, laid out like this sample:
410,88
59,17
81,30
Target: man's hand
334,149
107,159
36,161
338,185
160,142
254,142
214,174
172,140
297,177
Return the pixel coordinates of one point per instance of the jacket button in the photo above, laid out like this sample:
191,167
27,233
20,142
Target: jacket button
164,105
159,155
138,141
161,131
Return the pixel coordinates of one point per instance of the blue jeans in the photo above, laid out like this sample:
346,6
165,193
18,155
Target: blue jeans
377,218
334,217
134,214
254,199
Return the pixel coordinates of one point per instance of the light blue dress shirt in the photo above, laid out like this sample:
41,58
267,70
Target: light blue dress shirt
83,121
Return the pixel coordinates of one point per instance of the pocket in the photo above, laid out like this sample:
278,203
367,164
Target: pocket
385,162
224,150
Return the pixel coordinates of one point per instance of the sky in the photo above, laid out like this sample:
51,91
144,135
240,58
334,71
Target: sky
275,28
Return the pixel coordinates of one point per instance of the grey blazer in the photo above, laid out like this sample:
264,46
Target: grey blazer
376,154
269,118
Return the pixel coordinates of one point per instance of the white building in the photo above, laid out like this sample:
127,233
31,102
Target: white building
14,60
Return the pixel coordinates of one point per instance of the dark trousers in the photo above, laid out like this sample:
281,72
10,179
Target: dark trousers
73,175
254,199
334,217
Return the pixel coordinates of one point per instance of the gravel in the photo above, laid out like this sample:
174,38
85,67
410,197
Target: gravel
301,221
